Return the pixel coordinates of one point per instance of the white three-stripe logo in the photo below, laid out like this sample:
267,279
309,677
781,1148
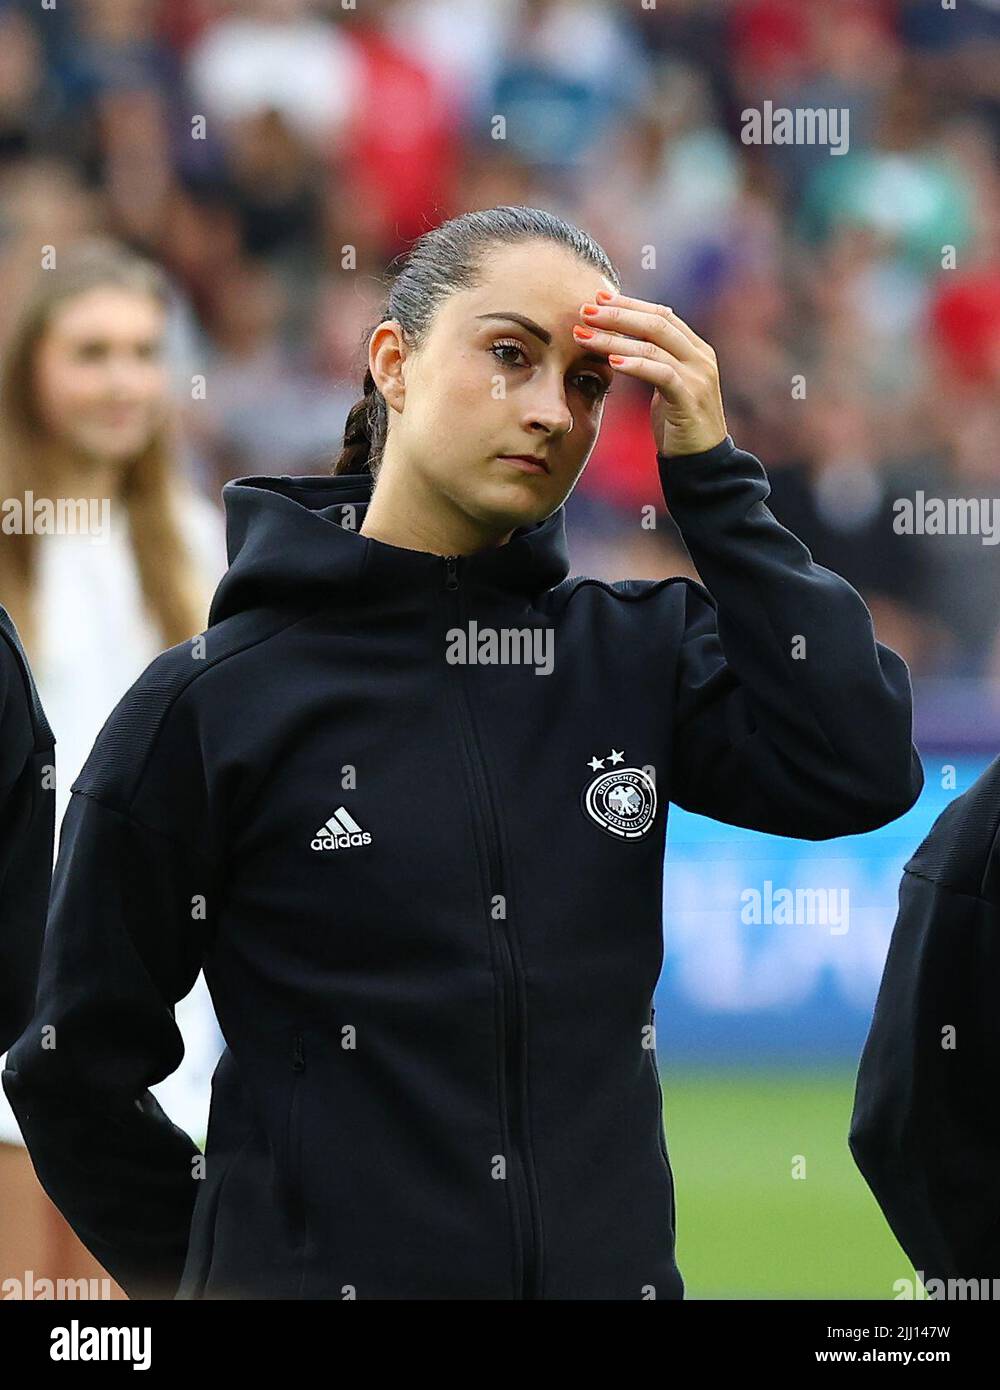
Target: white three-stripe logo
341,831
340,822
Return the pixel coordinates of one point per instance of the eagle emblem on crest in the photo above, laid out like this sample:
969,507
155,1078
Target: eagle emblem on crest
622,800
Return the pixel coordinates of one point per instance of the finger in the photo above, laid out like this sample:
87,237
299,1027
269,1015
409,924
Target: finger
650,321
666,378
605,340
670,316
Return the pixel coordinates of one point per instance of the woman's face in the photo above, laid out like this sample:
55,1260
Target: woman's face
484,386
100,382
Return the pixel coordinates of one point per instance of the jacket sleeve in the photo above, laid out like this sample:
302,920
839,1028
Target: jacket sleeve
789,716
27,825
123,943
924,1130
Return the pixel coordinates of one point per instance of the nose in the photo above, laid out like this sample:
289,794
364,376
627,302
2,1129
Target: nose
126,377
548,409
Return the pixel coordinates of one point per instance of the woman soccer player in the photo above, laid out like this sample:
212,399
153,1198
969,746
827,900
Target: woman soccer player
405,802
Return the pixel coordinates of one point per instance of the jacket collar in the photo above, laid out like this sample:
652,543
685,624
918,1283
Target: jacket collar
291,537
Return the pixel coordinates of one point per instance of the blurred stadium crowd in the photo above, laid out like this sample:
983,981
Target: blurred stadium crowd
860,355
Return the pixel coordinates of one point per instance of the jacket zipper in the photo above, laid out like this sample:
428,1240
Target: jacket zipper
521,1162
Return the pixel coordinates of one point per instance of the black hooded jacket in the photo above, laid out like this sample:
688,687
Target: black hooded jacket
426,893
27,826
924,1130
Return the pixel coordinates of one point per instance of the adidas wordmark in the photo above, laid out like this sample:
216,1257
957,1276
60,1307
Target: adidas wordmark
340,832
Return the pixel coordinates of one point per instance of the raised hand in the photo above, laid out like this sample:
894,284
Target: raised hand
651,342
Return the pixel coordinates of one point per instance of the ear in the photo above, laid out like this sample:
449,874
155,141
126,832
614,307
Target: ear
387,352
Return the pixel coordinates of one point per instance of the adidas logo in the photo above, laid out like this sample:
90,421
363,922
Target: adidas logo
340,832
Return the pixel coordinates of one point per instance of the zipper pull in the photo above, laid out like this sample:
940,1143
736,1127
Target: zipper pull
298,1054
451,572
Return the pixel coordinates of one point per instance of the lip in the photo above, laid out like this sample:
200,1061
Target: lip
530,461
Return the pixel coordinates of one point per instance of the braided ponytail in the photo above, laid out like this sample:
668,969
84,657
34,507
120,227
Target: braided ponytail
443,261
364,432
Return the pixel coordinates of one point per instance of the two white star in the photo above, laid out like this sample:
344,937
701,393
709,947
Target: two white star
613,757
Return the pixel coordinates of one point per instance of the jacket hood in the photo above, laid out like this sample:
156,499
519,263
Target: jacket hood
291,538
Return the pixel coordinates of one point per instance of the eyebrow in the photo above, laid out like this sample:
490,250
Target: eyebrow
538,331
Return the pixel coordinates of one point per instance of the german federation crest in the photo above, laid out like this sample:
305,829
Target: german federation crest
622,800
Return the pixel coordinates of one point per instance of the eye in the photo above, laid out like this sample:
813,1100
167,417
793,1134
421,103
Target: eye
596,385
509,346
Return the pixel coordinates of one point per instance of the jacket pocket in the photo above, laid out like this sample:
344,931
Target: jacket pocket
293,1142
201,1243
659,1089
660,1132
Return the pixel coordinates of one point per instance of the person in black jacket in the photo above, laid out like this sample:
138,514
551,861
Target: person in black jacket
924,1131
405,802
27,828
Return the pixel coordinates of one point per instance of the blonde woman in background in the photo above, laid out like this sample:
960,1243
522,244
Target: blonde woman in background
85,415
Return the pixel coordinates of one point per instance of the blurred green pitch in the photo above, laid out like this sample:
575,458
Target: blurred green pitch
746,1228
